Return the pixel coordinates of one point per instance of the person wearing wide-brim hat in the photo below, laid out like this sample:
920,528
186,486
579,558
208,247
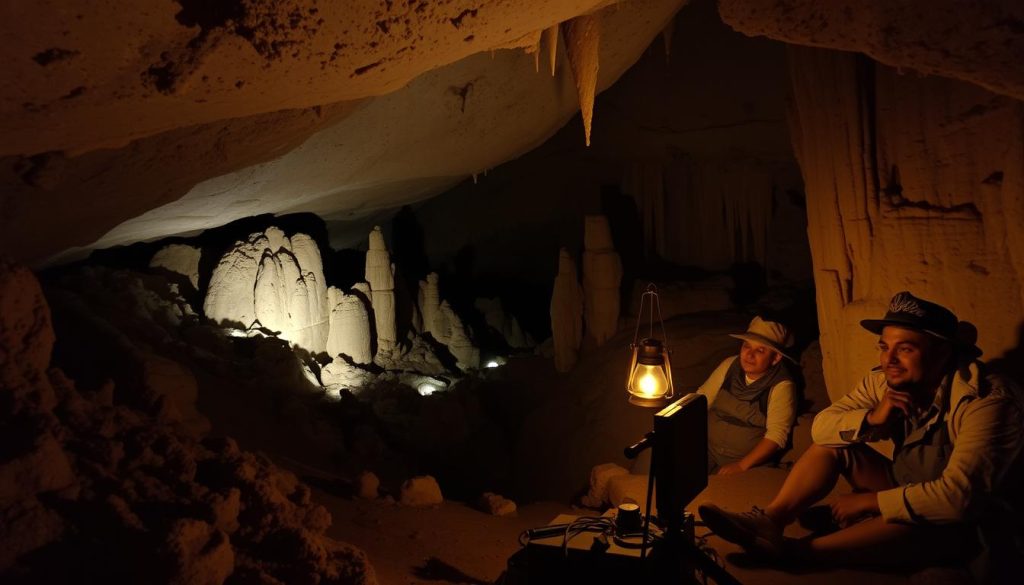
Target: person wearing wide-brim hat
926,442
752,401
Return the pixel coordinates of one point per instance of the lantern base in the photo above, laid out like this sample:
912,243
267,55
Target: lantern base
648,402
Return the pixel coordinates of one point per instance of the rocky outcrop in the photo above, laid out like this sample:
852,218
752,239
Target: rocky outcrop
380,273
912,184
429,302
566,313
275,282
455,336
99,491
602,275
180,259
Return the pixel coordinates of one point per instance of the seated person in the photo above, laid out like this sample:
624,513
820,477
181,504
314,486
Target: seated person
953,435
752,401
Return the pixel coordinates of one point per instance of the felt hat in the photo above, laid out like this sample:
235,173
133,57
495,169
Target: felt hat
910,312
774,335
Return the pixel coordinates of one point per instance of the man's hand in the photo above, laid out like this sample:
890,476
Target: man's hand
891,405
849,508
730,469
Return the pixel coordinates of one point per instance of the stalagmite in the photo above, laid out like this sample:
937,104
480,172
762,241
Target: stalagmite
273,281
180,259
602,275
458,342
507,325
582,40
349,327
429,300
551,38
566,313
380,273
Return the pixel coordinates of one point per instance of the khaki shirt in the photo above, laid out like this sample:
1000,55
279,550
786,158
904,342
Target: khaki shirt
985,426
781,403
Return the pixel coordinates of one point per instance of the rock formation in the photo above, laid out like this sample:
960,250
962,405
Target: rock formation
421,490
179,259
507,325
566,313
582,41
349,327
95,490
429,302
457,339
380,273
912,184
276,282
602,275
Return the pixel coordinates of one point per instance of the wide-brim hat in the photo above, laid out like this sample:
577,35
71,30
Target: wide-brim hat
910,312
774,335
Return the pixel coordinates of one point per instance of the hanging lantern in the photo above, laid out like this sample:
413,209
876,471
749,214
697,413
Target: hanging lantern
650,370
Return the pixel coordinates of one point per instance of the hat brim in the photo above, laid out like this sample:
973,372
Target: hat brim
877,325
765,341
964,347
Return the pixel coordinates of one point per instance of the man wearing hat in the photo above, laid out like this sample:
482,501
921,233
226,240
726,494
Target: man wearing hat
752,400
924,440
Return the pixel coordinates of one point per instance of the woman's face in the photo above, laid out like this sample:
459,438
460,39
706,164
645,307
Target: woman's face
757,358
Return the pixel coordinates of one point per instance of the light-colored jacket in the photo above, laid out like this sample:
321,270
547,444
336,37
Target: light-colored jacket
985,424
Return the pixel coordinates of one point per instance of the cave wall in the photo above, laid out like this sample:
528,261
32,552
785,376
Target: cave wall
913,183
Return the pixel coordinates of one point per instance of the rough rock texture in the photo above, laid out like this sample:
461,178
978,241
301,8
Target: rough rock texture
340,375
380,273
600,476
179,259
368,486
276,281
349,332
566,313
980,42
912,184
421,490
602,274
92,489
496,505
455,336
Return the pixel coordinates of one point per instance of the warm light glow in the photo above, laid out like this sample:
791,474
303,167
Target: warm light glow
426,389
649,381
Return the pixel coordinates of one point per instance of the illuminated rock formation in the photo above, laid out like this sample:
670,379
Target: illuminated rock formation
179,259
602,275
263,280
422,490
349,327
380,273
582,41
566,313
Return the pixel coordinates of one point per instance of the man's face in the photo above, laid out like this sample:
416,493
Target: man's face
756,358
909,357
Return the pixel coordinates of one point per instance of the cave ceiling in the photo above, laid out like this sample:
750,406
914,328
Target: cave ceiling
128,121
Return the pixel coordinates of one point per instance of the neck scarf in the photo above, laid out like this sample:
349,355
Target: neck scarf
736,382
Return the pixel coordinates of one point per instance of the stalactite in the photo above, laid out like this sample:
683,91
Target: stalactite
582,40
551,38
666,35
566,313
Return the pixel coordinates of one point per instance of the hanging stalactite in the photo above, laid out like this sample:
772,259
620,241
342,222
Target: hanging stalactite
582,40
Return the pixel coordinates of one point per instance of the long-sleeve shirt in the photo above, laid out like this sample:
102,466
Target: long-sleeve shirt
781,403
985,424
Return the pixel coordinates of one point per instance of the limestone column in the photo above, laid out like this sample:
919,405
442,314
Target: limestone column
602,275
429,300
566,314
349,327
380,273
